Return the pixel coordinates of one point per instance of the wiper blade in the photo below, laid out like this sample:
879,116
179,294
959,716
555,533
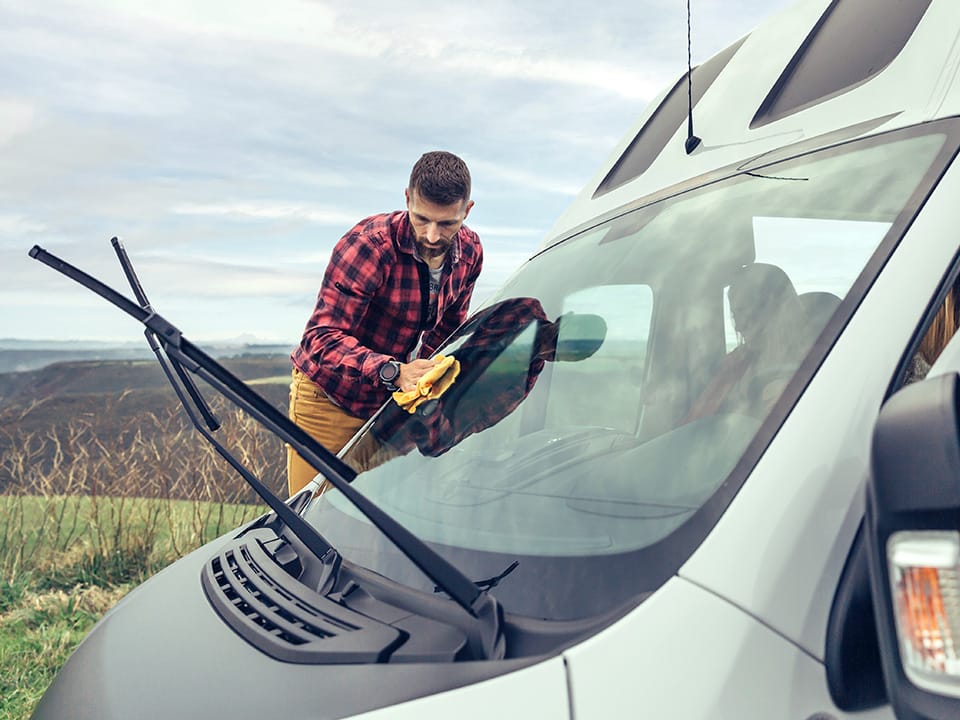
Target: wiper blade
486,637
199,403
303,531
490,582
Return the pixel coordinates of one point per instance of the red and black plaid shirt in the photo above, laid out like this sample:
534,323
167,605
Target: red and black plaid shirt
373,304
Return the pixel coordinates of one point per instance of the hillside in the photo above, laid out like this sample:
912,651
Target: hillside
117,424
93,377
25,355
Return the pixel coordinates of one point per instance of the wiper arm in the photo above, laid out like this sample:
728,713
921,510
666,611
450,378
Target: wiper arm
307,535
187,382
490,582
486,637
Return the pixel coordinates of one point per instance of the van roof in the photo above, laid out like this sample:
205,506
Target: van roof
818,73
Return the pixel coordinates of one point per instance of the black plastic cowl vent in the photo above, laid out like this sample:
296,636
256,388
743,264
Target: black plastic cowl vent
285,619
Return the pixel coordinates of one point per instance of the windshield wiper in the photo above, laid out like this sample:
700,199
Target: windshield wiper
485,634
308,537
490,582
186,381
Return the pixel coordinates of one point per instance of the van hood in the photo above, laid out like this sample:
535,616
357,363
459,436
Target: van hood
163,652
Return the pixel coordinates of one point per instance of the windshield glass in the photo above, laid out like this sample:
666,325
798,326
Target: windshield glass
607,392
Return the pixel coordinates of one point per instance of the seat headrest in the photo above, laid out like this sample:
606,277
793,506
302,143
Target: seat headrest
819,304
761,294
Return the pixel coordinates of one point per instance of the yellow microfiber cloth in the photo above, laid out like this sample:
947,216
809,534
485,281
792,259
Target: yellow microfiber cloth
434,383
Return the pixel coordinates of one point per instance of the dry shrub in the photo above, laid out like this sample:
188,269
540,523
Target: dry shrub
119,501
91,599
155,454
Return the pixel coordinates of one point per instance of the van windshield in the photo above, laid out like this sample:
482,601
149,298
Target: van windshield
608,391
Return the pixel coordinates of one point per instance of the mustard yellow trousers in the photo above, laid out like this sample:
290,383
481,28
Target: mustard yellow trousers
324,421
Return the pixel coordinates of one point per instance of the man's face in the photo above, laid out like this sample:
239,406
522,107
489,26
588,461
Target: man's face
434,226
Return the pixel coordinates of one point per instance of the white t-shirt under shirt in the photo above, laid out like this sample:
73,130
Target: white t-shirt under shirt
434,291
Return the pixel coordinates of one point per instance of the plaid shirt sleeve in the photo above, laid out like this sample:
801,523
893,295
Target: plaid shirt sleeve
354,274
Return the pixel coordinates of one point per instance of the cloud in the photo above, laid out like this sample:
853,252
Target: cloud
287,21
16,117
626,81
266,210
230,144
496,173
19,225
505,231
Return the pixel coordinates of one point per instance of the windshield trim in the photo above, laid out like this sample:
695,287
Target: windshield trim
664,557
830,141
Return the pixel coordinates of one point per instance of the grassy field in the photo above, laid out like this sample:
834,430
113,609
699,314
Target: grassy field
103,482
64,561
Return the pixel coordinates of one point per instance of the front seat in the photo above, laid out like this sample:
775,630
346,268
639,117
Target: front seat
767,315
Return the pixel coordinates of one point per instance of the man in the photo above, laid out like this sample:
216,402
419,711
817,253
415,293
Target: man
396,286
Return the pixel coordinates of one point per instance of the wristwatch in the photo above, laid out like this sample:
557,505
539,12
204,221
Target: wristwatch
389,374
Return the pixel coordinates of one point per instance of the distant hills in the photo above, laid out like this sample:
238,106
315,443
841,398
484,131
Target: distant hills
114,422
26,355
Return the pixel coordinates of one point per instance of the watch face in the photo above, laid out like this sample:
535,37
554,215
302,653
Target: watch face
389,371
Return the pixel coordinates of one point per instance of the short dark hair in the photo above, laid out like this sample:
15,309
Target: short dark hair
440,177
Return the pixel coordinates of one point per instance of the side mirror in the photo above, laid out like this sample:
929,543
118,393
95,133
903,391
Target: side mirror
913,542
579,336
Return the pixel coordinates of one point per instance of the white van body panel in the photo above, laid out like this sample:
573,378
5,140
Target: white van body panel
700,658
539,691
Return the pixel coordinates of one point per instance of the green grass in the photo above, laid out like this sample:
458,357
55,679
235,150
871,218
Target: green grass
37,635
97,540
64,561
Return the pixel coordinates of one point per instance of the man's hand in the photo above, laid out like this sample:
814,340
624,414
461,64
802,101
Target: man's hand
411,372
440,375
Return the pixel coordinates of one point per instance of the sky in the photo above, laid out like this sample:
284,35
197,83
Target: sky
230,143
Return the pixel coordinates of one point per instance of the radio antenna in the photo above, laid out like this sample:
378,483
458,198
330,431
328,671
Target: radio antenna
692,140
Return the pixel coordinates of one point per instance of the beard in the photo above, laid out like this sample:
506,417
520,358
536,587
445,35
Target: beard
430,252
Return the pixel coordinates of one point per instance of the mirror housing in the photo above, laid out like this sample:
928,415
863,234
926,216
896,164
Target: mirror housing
913,544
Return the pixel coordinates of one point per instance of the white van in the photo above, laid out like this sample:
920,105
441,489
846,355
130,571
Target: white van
644,495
